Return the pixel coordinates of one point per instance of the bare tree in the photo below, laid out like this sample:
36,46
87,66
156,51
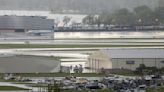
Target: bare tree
66,20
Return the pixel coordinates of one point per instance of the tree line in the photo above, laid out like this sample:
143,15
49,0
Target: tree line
142,15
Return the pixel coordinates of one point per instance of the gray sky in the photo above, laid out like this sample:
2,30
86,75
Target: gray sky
76,5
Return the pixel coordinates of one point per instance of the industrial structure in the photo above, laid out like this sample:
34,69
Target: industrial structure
24,26
126,58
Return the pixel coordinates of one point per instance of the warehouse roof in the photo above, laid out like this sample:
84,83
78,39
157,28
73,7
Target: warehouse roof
134,53
26,22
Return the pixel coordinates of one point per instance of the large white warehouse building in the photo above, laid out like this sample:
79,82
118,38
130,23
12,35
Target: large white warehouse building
126,58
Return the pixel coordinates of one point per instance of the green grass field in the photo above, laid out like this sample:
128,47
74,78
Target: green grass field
160,89
6,46
10,88
106,90
54,75
60,75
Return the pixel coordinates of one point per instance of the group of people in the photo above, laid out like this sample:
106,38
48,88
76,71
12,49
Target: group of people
78,69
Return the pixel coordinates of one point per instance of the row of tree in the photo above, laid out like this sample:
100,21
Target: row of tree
142,15
144,70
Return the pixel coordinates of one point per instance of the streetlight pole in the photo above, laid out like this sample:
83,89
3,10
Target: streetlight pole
156,23
138,24
140,20
156,20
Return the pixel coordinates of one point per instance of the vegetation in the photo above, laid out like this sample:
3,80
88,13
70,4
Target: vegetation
125,72
142,69
6,46
59,75
10,88
142,15
66,20
56,88
107,90
159,89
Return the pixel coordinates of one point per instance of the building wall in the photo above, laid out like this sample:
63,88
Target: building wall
122,63
99,60
26,22
23,34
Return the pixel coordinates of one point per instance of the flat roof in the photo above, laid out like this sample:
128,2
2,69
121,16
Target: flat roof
134,53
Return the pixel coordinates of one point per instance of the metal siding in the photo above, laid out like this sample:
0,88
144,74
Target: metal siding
121,63
25,22
134,53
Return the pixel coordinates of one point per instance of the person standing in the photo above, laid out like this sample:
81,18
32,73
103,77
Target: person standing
81,69
76,69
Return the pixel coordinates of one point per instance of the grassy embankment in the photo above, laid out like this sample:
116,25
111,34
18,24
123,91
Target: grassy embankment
159,89
8,46
53,75
106,90
60,75
10,88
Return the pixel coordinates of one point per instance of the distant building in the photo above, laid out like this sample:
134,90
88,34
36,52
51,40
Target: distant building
11,26
126,58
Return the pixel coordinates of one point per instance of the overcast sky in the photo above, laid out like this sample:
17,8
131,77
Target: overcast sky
79,5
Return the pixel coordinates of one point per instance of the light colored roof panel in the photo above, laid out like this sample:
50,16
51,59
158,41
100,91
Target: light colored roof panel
134,53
